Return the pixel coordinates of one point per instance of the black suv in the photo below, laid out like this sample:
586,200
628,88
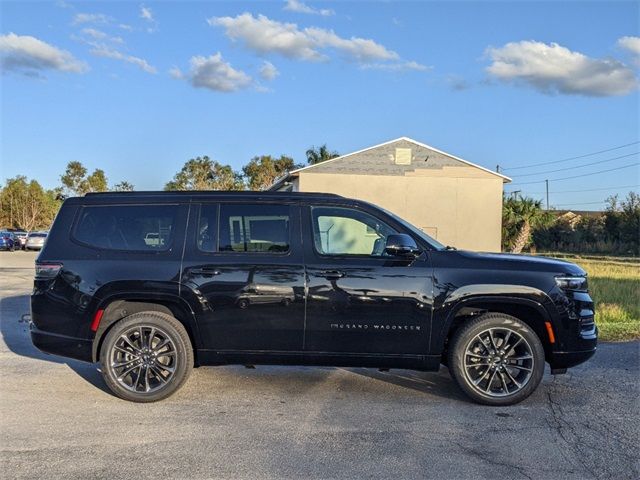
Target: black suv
151,284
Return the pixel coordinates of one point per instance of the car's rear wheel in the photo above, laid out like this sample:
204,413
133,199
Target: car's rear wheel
496,359
146,357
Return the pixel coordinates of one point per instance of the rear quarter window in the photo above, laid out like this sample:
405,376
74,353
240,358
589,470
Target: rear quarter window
126,227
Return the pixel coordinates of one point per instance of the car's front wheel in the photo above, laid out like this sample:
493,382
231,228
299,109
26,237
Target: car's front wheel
146,357
496,359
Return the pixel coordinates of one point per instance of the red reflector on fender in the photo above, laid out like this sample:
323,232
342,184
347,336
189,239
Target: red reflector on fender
96,320
552,337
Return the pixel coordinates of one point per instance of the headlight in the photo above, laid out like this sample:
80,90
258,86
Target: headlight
572,283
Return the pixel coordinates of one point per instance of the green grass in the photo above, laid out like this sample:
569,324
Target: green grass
615,287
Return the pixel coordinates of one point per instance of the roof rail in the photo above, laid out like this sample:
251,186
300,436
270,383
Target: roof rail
214,193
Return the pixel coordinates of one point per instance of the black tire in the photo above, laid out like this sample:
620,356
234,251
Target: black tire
182,359
471,334
243,303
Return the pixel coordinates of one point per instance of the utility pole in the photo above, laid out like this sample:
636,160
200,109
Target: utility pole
546,182
498,168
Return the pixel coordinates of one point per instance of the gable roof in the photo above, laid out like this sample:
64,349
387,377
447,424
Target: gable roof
292,173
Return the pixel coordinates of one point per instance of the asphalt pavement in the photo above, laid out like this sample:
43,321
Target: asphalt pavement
58,420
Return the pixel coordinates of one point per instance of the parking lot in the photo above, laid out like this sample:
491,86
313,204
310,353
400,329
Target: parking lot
59,421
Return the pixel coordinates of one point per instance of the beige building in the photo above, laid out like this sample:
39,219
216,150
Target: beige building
453,200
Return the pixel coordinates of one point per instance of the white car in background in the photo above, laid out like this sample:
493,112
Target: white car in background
35,240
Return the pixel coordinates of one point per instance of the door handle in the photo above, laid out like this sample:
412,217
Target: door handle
333,274
205,271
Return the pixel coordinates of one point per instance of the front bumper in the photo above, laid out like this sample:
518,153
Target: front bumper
562,360
577,333
55,344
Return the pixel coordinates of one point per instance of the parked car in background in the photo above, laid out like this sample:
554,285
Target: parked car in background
35,241
21,237
8,241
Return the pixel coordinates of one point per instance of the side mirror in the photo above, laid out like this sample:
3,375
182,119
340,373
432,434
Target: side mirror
401,245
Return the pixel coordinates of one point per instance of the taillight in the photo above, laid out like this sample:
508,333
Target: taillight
46,271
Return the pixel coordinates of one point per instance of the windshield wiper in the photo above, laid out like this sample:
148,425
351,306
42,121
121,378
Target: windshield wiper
449,247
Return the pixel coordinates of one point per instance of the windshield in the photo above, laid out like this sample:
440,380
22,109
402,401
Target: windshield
430,240
37,235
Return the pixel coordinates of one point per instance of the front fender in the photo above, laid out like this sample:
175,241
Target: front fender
445,313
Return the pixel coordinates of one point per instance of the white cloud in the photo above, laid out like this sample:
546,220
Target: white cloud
146,13
100,35
630,43
397,67
268,71
176,73
28,55
108,52
214,73
551,68
300,7
98,18
264,35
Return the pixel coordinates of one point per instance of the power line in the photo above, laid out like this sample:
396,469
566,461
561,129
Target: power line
579,166
578,176
572,158
588,190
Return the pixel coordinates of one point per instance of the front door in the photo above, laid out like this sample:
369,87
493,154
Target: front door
243,267
361,300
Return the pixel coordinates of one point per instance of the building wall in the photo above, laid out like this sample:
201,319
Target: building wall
458,205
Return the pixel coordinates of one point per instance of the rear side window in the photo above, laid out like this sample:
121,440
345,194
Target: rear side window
207,231
127,227
254,228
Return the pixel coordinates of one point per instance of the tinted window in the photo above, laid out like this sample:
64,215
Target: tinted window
254,228
207,231
38,235
342,231
127,227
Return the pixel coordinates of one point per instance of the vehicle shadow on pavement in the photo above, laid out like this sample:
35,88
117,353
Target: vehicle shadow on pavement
439,384
15,333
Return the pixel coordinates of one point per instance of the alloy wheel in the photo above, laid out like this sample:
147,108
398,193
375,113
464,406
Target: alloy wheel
143,359
498,362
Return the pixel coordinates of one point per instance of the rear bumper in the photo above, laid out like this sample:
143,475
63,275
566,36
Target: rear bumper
78,348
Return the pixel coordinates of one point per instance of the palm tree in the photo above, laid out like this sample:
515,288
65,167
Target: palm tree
320,154
520,218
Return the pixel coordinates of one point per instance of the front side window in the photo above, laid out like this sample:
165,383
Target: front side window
127,227
343,231
254,228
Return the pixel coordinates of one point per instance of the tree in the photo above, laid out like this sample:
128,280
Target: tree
74,178
261,171
97,181
25,204
202,173
622,221
76,182
123,186
320,154
520,217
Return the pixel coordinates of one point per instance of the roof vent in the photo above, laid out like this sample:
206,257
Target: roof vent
403,156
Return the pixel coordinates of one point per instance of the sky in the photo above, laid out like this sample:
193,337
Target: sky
137,89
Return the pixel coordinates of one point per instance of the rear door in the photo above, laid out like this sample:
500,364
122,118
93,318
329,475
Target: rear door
243,270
